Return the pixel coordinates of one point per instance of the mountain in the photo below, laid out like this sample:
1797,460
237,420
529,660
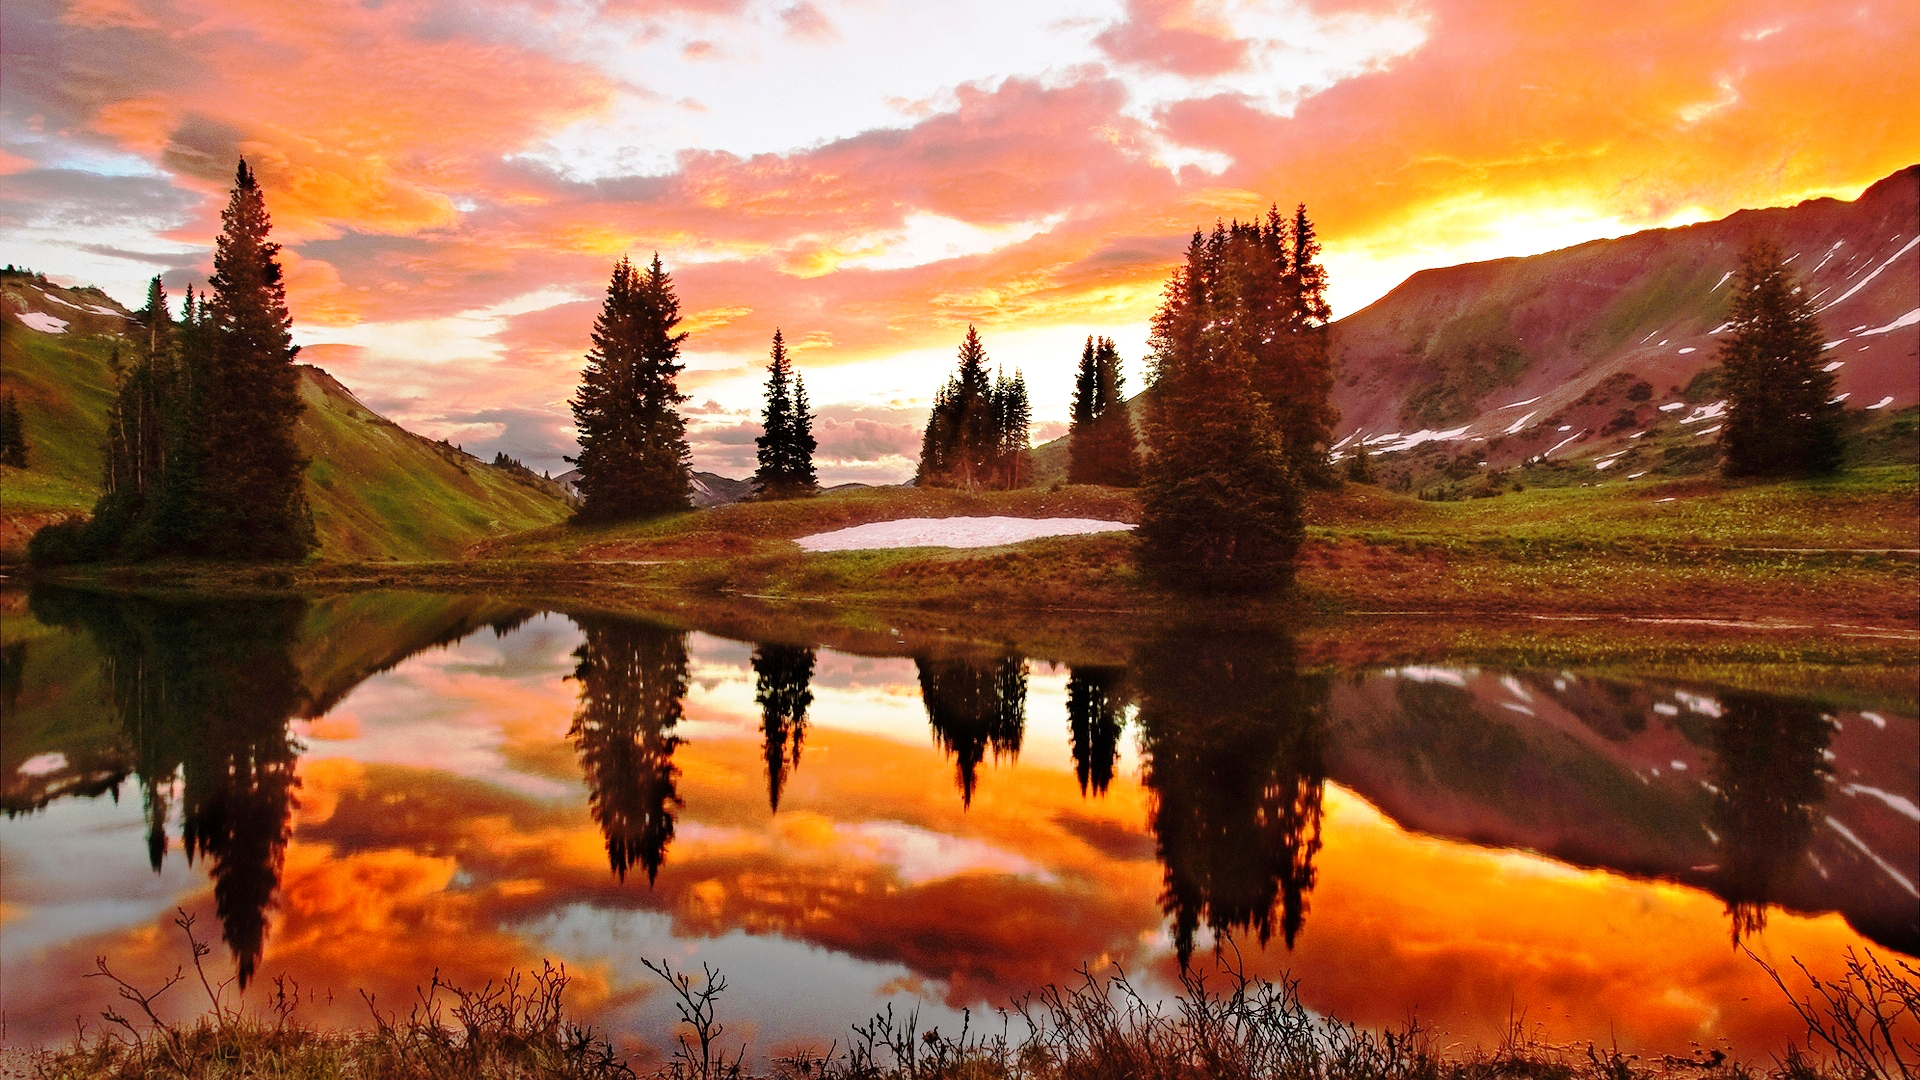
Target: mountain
378,491
709,489
1603,351
1571,352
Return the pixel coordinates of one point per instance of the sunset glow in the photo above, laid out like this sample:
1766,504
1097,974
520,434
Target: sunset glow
454,181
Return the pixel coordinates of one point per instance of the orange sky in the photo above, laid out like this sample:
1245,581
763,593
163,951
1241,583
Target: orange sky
454,180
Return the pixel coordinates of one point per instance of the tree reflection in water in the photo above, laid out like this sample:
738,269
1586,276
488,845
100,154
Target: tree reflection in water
1770,776
782,687
1096,708
633,682
205,690
975,706
1232,747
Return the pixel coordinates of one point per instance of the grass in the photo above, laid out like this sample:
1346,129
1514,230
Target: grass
1818,555
1220,1025
378,492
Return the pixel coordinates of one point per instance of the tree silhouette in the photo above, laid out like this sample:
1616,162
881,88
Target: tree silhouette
786,445
633,682
1232,736
1100,443
977,432
205,690
633,458
1095,715
1771,775
1781,416
1239,414
975,707
201,460
782,675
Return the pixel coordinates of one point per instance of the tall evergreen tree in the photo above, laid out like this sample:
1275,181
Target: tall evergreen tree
1082,462
201,459
139,420
1012,422
1100,435
978,431
634,460
1781,416
252,502
961,441
786,445
1221,495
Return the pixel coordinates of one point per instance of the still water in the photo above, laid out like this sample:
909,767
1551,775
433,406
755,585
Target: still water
355,792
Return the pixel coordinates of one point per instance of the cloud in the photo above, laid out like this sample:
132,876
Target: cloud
1170,35
805,20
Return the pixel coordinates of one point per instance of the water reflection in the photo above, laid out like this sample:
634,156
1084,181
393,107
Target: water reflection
1770,776
633,686
1231,736
1096,714
782,687
1208,785
205,691
975,706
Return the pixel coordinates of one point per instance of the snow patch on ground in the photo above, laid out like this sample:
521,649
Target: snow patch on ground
1687,350
1424,435
1862,283
1835,366
1705,412
1909,319
44,323
956,532
1882,403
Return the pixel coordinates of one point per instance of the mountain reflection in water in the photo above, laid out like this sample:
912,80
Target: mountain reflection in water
1056,815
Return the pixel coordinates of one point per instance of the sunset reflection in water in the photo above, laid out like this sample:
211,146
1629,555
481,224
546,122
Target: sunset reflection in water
835,832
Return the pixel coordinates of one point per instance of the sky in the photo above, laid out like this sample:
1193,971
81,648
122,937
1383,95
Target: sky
453,180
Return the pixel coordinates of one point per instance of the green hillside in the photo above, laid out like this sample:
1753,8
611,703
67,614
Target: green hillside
378,492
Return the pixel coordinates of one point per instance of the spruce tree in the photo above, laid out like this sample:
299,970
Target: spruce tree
1082,445
253,501
1781,416
633,458
786,445
962,442
1220,498
1012,422
1101,444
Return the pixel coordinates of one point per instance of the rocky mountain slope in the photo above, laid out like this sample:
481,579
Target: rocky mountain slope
378,491
1576,353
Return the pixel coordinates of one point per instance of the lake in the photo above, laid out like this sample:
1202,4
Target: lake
357,791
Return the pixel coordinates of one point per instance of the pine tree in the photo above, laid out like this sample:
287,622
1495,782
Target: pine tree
1012,422
201,460
253,501
1221,498
977,433
633,458
1082,446
1781,416
786,446
1100,436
